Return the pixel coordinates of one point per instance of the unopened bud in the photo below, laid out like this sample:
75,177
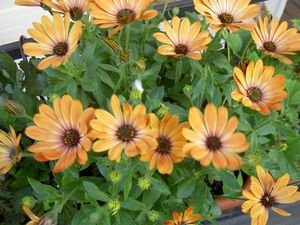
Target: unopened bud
13,107
29,201
139,65
111,44
124,56
153,216
254,159
188,90
115,176
162,111
144,183
114,206
283,146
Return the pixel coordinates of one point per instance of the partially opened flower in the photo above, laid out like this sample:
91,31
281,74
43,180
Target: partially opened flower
118,13
76,8
183,39
62,134
258,89
213,138
35,220
275,39
264,193
227,13
9,150
170,142
128,128
29,2
184,218
54,40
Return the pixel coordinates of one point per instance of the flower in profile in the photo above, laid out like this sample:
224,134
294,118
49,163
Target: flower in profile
76,8
35,220
118,13
275,39
63,134
29,2
128,128
183,39
227,13
9,150
53,39
186,218
213,138
170,142
258,89
264,193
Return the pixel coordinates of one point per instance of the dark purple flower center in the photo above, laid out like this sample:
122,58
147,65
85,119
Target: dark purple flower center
213,143
61,49
126,133
164,145
181,49
267,200
270,46
225,18
125,16
71,138
254,94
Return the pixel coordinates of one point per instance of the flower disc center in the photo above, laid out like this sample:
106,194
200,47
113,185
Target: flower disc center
164,145
61,49
71,138
181,49
267,200
125,16
126,133
254,94
76,13
225,18
270,46
213,143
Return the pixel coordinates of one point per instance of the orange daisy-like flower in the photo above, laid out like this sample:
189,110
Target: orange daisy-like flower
76,8
186,218
170,142
126,129
118,13
183,39
53,39
62,133
227,13
212,138
29,2
264,193
35,220
9,150
275,39
258,89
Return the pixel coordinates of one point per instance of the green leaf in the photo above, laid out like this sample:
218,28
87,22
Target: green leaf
44,192
229,179
133,205
89,83
293,89
235,42
127,187
110,68
160,185
72,88
95,192
179,68
296,23
186,188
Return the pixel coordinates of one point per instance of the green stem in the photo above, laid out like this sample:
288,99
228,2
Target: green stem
127,36
228,53
122,76
165,8
204,87
64,201
229,197
27,155
246,49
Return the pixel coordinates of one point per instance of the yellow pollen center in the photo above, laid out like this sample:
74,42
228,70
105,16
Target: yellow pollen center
76,13
225,18
126,133
61,49
164,145
254,94
125,16
181,49
71,138
213,143
270,46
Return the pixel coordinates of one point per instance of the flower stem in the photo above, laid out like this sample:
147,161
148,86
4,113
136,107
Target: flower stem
27,155
246,49
229,197
127,36
64,201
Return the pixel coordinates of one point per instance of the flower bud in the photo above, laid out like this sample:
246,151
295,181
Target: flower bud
137,90
144,183
139,65
111,44
124,56
114,206
283,147
115,176
254,159
153,216
13,107
162,111
29,201
188,90
53,96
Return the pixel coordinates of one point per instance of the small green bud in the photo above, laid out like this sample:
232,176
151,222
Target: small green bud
135,94
94,217
153,216
114,206
283,147
162,111
254,159
29,201
115,176
188,90
175,11
144,183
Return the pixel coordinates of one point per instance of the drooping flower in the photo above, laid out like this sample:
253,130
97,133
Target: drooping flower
258,89
183,39
53,39
275,39
63,134
170,143
264,193
184,218
213,138
29,2
127,129
9,150
118,13
76,8
227,13
35,220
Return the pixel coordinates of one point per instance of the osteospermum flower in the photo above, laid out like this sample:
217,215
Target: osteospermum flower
183,39
126,129
35,220
227,13
9,150
53,39
264,193
62,133
118,13
275,39
212,138
29,2
186,218
170,142
76,8
258,89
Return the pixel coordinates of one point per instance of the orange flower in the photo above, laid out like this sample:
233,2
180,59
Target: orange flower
9,150
29,2
118,13
126,129
170,142
275,39
264,193
76,8
34,220
186,218
183,39
62,133
227,13
258,89
212,138
53,39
